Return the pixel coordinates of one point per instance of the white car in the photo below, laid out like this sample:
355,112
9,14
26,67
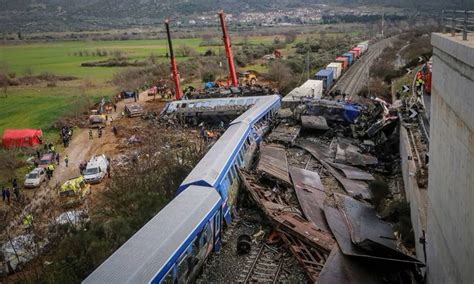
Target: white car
96,169
35,178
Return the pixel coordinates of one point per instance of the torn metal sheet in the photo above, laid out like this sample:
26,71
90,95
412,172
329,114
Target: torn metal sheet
357,159
309,258
294,224
284,133
314,122
273,162
366,229
340,230
310,193
355,188
340,154
351,154
353,172
344,269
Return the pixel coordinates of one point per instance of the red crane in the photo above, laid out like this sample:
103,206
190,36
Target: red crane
174,68
228,50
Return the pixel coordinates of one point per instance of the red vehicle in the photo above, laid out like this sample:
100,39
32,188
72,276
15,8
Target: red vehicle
426,75
45,161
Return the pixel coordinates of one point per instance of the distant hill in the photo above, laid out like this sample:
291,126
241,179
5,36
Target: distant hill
58,15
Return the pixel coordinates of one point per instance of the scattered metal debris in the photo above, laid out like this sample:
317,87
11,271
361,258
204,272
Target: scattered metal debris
284,133
274,163
344,269
310,193
355,188
353,172
359,232
314,122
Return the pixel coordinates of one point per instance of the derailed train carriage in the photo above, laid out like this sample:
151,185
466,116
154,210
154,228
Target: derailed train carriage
173,245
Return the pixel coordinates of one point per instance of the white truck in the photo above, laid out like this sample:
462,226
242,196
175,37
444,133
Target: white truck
96,169
35,178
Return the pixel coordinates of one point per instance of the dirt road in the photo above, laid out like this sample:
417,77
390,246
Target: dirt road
81,148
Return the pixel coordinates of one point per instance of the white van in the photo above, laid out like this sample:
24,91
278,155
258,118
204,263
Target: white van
96,169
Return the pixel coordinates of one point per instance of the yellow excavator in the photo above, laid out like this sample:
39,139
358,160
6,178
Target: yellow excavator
247,78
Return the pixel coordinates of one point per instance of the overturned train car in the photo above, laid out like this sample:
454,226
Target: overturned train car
173,245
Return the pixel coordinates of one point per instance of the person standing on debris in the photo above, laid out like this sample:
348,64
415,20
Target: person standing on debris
14,183
66,160
53,149
28,220
38,154
138,94
90,134
57,158
115,108
114,130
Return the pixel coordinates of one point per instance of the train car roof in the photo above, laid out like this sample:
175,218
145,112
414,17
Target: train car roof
258,110
147,252
209,171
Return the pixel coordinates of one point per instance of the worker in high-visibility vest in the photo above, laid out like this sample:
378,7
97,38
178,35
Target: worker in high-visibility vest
28,220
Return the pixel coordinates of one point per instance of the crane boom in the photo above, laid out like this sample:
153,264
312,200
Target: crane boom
174,68
228,50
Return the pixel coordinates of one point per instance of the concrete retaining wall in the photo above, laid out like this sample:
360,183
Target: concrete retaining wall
450,238
414,195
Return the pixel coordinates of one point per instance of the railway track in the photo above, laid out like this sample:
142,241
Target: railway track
358,74
263,265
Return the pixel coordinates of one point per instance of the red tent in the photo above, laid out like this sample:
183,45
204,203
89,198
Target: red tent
21,137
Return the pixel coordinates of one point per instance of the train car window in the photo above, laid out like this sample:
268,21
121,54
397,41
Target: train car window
182,267
168,279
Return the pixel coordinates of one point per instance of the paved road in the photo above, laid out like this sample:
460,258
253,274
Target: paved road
358,74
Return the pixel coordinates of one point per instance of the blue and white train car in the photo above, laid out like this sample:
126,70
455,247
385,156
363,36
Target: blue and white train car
172,247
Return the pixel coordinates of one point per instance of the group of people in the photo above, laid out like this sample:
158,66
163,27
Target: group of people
6,192
419,82
66,133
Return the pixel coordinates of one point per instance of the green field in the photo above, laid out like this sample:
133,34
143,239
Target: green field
59,58
39,107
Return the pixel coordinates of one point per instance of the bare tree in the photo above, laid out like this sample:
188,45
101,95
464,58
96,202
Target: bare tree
186,51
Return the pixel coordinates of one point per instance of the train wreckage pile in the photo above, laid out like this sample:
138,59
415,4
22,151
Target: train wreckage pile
319,204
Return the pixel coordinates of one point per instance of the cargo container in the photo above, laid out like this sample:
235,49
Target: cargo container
311,89
359,51
344,61
327,76
354,55
336,69
349,56
364,46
